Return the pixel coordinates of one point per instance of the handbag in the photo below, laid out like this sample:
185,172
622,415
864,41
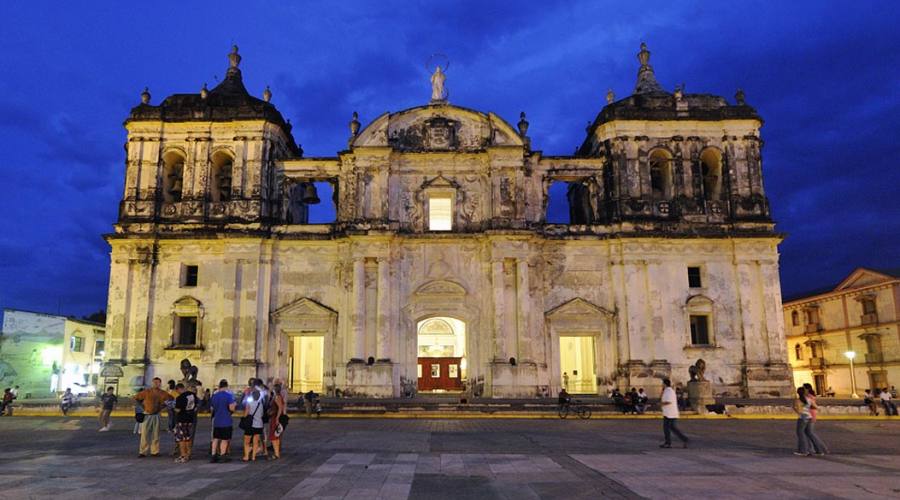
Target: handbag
139,417
284,419
246,422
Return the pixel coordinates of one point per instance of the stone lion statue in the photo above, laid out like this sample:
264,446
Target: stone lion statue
698,370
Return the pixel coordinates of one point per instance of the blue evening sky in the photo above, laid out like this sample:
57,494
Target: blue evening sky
824,76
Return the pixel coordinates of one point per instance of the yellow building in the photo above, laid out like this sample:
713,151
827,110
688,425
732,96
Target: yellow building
859,318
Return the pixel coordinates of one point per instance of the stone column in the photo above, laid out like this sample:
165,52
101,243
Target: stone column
523,307
383,345
358,345
499,330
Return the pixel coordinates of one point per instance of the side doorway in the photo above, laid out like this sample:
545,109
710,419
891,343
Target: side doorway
577,364
307,363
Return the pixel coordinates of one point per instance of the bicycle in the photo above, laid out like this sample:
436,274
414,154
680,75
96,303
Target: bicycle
579,409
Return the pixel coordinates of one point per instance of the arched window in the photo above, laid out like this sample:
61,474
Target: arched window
701,320
795,318
711,170
220,182
798,352
173,177
661,174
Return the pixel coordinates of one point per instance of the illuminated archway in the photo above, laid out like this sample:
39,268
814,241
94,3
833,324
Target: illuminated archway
441,351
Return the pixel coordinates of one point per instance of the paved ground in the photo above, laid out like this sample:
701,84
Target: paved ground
459,459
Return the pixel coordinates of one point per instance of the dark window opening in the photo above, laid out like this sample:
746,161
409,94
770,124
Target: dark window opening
222,181
569,203
694,280
868,306
77,344
187,331
798,352
795,318
173,181
190,275
814,350
699,330
312,203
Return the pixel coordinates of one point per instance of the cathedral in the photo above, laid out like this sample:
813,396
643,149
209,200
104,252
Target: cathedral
441,272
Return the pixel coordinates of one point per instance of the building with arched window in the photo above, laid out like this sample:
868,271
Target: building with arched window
441,271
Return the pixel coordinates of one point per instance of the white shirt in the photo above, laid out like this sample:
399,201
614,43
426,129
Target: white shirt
885,396
669,410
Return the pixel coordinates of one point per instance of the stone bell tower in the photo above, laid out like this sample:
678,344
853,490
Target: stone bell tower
197,164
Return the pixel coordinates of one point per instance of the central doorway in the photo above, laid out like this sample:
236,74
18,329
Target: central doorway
307,361
441,354
576,362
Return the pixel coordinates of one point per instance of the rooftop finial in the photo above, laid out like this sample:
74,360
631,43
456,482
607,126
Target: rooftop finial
739,97
646,81
204,91
354,124
267,94
644,55
234,59
145,96
610,96
523,124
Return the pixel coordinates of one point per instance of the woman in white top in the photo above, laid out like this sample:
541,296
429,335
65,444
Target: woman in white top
253,411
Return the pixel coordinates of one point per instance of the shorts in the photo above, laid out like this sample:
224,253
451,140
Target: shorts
183,431
222,433
254,431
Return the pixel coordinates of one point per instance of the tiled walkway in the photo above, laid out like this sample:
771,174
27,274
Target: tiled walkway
447,459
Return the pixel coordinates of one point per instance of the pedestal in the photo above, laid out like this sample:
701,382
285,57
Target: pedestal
700,395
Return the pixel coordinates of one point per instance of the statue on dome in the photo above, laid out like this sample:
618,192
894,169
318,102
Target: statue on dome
438,93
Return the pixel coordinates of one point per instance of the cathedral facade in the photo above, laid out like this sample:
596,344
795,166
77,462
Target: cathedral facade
441,272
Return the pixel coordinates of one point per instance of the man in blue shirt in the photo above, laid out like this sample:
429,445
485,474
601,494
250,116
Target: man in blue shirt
222,405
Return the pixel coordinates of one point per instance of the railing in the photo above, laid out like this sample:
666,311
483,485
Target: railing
868,319
813,327
875,357
817,363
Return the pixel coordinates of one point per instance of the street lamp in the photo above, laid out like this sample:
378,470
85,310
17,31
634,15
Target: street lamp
850,355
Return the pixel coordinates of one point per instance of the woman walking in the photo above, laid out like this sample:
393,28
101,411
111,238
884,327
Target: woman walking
818,446
252,424
801,407
277,408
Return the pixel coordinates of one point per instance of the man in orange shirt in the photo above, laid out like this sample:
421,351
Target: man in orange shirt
153,401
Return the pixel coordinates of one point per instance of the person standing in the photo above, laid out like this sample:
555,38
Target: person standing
252,424
170,406
817,444
669,402
185,416
889,407
802,409
153,400
107,403
222,405
6,405
277,408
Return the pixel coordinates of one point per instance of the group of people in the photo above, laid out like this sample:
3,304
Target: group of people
885,397
262,411
633,401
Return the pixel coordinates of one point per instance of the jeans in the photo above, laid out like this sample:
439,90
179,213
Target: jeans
669,427
817,445
889,407
150,434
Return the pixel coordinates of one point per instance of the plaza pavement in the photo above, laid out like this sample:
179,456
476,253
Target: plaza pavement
55,457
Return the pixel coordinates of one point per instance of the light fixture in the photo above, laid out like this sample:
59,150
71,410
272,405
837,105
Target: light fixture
850,355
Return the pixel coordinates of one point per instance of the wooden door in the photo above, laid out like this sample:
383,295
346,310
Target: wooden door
439,374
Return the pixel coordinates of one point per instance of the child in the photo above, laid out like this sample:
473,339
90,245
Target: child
138,417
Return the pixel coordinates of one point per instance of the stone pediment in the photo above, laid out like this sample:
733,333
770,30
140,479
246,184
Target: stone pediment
863,277
438,127
441,288
304,307
578,307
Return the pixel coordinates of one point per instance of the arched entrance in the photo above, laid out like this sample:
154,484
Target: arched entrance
441,354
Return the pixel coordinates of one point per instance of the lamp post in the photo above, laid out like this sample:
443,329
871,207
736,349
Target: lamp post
850,355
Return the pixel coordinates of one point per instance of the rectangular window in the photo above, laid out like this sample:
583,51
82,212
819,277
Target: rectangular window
868,307
454,371
98,347
435,371
189,276
440,212
187,331
419,371
699,330
694,280
77,344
